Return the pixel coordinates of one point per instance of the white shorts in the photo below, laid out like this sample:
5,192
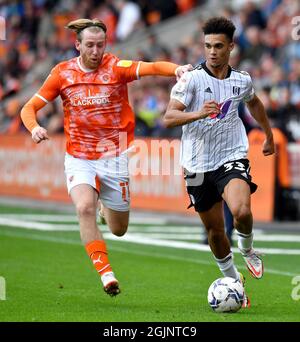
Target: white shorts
109,176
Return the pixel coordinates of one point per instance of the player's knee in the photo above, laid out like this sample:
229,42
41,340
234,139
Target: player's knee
242,213
119,229
85,209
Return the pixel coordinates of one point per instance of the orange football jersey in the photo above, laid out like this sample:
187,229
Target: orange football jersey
98,119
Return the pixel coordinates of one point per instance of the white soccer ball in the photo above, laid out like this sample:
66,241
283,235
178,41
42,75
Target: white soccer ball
226,295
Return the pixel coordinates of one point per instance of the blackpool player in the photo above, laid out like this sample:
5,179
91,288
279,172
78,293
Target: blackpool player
99,126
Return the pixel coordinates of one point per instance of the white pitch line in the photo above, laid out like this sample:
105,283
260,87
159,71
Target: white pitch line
41,217
167,228
141,239
169,236
169,232
54,239
37,225
73,218
200,236
175,229
277,237
192,246
145,231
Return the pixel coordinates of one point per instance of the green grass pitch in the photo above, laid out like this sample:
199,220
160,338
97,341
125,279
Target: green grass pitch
48,277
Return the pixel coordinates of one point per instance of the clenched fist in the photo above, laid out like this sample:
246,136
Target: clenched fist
38,134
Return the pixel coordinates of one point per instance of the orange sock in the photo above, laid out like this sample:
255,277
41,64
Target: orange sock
97,252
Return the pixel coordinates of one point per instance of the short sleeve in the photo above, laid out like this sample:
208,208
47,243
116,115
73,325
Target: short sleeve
126,70
51,87
183,90
249,93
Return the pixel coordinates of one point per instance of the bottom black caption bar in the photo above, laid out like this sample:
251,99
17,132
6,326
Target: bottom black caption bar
140,331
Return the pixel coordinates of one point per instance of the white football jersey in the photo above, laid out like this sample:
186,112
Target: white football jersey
208,143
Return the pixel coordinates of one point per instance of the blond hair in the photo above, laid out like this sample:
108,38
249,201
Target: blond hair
80,24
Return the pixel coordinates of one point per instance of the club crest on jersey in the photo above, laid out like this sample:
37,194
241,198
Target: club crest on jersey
105,78
236,90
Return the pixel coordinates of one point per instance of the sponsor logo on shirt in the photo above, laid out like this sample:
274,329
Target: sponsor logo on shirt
89,100
224,108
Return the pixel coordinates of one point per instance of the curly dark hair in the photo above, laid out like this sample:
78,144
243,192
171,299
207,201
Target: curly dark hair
219,25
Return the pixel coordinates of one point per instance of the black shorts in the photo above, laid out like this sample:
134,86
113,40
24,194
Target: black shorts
206,189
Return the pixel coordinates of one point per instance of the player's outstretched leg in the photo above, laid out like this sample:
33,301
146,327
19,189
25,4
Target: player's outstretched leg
98,254
237,196
85,199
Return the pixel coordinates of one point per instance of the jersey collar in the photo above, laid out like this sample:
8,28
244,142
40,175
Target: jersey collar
81,67
211,74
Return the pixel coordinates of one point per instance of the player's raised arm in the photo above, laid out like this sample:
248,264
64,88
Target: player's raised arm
163,69
48,92
258,111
